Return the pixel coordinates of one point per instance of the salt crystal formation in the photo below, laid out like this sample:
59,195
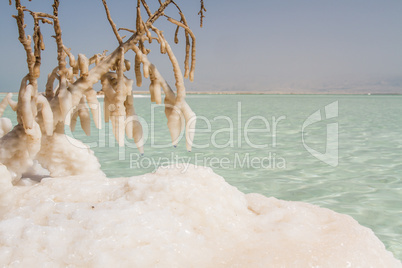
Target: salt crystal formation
69,92
184,216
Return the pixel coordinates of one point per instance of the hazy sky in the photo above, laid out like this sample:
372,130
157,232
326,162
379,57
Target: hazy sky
271,45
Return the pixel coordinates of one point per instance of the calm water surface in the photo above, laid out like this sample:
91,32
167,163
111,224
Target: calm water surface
261,143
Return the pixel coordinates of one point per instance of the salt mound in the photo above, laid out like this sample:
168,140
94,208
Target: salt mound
176,217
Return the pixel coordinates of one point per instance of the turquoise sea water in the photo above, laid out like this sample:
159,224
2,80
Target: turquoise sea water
342,152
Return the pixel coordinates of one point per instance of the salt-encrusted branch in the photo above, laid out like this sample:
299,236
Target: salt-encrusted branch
61,55
139,26
112,24
193,51
176,39
24,108
73,62
201,13
25,41
160,39
13,104
157,13
94,105
126,29
94,75
120,96
38,42
145,5
3,104
175,107
181,91
49,93
47,114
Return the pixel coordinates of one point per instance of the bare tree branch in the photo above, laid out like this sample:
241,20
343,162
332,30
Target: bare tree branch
145,5
61,56
187,29
201,13
116,33
25,41
157,13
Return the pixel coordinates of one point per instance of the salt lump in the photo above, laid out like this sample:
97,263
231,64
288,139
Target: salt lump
176,217
5,126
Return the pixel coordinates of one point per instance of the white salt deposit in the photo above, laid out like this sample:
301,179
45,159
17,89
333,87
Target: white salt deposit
59,154
17,149
173,219
66,156
5,126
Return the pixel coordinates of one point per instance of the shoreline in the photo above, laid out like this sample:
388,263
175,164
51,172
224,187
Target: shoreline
266,93
254,93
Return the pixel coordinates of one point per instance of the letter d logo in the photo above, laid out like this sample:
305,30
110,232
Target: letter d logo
330,156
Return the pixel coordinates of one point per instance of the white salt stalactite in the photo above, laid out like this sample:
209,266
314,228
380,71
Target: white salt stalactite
47,114
138,134
130,112
176,107
65,101
155,86
118,128
119,108
106,108
94,105
172,114
112,110
85,119
137,69
109,95
127,65
174,124
119,113
5,126
73,121
50,80
83,65
145,68
190,118
3,105
185,109
25,107
13,104
133,126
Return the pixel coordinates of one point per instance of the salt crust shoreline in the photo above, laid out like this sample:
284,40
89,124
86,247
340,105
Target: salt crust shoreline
173,219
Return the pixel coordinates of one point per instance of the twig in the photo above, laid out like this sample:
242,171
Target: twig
128,30
187,29
61,56
158,13
201,13
145,5
112,23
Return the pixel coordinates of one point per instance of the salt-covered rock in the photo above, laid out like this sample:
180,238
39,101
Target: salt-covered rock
18,148
183,216
66,156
